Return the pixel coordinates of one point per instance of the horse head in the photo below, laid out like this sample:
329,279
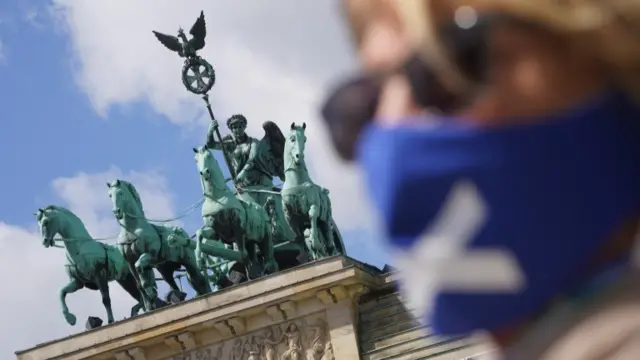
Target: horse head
124,199
294,146
53,220
49,224
209,169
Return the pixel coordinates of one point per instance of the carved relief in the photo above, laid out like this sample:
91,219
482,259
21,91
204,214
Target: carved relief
301,339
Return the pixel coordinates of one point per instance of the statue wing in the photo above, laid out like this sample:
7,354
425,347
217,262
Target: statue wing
199,32
171,42
273,141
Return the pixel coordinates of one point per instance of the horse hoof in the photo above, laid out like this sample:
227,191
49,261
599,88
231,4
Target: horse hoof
254,271
303,257
135,310
271,268
71,319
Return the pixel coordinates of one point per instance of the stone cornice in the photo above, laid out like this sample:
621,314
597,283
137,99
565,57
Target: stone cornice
330,280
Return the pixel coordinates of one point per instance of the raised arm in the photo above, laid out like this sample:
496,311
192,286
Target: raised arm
211,139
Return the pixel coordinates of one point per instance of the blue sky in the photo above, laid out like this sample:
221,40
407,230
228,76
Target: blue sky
51,130
72,117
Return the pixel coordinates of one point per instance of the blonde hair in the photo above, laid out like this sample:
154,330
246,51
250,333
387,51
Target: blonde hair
608,30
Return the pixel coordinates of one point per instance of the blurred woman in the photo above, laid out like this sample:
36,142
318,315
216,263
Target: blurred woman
500,140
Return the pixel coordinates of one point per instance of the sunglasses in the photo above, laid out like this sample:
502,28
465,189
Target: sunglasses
353,104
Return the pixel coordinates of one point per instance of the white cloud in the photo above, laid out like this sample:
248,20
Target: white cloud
272,59
86,195
33,17
30,308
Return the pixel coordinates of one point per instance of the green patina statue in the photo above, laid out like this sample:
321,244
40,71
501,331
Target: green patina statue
90,263
212,257
307,205
217,268
246,224
197,74
146,245
254,163
250,229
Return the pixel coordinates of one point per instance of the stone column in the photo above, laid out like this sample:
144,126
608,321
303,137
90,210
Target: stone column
342,330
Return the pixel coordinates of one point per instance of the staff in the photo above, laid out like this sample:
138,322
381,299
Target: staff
198,76
205,97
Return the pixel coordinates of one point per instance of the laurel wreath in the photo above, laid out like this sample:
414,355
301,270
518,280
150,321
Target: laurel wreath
194,63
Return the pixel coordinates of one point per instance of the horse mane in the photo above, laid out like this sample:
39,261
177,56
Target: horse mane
68,213
132,189
62,210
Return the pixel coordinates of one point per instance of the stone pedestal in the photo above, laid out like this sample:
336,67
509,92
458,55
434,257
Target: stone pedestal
302,313
311,312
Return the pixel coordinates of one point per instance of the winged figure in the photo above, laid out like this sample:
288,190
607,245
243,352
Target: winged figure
255,162
183,46
273,145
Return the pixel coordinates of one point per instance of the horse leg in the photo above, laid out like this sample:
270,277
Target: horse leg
203,261
197,275
147,278
252,253
319,249
197,280
299,234
166,273
128,283
326,227
283,231
241,245
327,223
252,265
145,303
268,254
103,286
73,286
205,232
266,245
135,309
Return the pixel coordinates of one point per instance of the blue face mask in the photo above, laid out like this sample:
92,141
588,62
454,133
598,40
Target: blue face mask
490,225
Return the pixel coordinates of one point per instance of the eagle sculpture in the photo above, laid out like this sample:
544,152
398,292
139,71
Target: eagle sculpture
180,44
